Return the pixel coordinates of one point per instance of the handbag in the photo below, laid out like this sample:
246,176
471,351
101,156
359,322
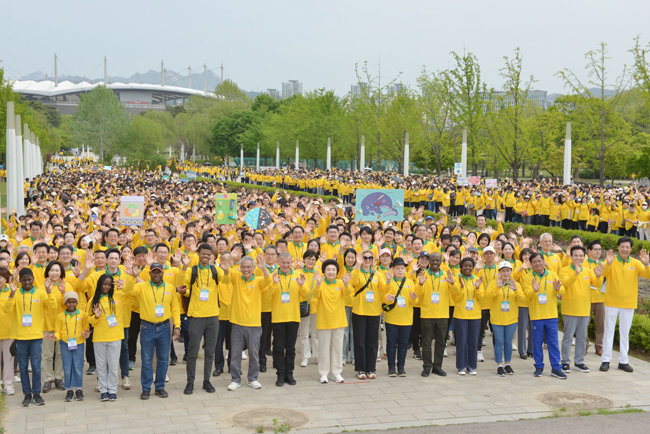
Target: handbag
304,305
388,307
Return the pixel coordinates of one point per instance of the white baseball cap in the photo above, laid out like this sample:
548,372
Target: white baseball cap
489,249
505,264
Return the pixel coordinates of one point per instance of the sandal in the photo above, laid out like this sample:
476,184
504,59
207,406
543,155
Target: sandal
361,376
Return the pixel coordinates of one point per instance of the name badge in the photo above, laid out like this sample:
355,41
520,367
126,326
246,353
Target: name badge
505,306
72,344
435,297
27,320
159,310
541,298
204,294
112,321
401,301
286,297
469,305
370,296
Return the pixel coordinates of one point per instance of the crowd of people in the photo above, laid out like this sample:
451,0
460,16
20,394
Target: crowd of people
314,286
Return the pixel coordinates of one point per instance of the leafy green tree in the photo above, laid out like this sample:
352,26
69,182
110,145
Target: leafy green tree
230,92
228,132
145,139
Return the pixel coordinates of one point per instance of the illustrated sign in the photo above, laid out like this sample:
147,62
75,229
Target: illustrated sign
191,174
462,181
474,180
258,218
226,208
132,210
379,205
490,183
458,168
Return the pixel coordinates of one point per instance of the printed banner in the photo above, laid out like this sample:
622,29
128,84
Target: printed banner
462,181
458,168
226,208
490,183
258,218
379,205
474,180
191,174
132,210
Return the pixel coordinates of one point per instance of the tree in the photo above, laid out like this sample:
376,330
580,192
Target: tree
228,132
101,122
230,92
145,139
595,108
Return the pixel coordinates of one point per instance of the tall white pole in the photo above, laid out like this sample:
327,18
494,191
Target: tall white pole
34,156
183,152
170,152
463,154
39,157
567,155
277,155
19,193
406,154
329,153
27,152
241,157
362,157
297,155
12,180
257,159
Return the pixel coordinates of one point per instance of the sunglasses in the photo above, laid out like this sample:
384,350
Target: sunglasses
367,258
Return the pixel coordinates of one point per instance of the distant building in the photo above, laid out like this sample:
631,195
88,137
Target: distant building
358,89
395,88
537,97
273,93
291,88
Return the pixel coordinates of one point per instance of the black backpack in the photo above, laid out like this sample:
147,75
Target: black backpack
195,275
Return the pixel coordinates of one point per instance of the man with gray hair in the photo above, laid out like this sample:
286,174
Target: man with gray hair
553,260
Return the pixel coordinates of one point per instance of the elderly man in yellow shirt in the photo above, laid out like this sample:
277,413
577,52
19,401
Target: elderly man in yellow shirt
621,297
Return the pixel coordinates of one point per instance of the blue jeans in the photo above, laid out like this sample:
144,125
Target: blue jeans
73,366
30,352
154,337
348,336
466,332
503,341
124,355
397,340
545,330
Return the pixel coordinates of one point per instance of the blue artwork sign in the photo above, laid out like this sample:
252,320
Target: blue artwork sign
379,205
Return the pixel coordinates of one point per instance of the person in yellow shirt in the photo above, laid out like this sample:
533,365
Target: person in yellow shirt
71,330
597,298
27,321
503,296
542,287
5,334
331,320
577,279
622,273
434,291
307,336
287,292
51,358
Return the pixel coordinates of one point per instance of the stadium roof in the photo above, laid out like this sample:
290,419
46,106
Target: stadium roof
47,88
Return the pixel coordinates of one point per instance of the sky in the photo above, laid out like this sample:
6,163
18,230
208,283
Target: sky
263,43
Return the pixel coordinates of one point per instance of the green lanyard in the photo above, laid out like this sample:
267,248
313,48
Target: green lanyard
153,291
67,332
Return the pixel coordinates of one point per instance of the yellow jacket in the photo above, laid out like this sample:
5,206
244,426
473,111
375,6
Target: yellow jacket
151,296
199,307
367,302
331,304
120,309
576,300
246,304
467,297
623,282
31,303
69,326
434,295
542,304
286,297
503,303
402,313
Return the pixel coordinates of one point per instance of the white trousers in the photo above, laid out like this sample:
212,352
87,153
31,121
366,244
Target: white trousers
625,322
308,337
330,351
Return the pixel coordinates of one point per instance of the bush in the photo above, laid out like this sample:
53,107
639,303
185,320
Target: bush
233,186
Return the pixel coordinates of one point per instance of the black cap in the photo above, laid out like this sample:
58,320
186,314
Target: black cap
398,261
156,266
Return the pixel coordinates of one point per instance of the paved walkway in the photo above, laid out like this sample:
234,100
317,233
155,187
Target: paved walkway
379,404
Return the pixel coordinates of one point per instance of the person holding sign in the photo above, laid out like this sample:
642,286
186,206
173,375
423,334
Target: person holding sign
27,329
158,304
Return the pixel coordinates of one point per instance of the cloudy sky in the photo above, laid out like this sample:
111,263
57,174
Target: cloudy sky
262,43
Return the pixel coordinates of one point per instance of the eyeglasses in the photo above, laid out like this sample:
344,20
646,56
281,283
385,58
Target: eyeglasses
367,258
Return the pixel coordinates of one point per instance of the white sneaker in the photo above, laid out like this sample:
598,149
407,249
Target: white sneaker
167,380
573,342
343,363
338,378
16,379
126,384
479,356
483,343
514,347
323,379
445,353
244,356
9,390
234,386
304,362
255,384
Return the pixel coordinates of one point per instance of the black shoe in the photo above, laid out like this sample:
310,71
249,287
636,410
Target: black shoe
581,367
529,354
509,370
392,373
161,393
290,380
566,368
501,372
208,387
401,372
68,396
181,339
59,384
185,358
91,370
38,400
79,395
27,401
189,389
439,372
173,361
604,366
425,372
47,386
523,356
262,368
625,367
417,354
217,372
145,395
103,397
280,381
557,373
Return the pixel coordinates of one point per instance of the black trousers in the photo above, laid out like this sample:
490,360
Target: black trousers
509,214
90,351
265,339
485,318
433,328
134,331
416,331
285,335
223,336
366,342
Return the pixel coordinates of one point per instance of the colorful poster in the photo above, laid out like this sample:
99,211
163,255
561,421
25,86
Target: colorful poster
132,210
474,180
191,174
458,168
490,183
462,181
379,205
258,218
226,208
